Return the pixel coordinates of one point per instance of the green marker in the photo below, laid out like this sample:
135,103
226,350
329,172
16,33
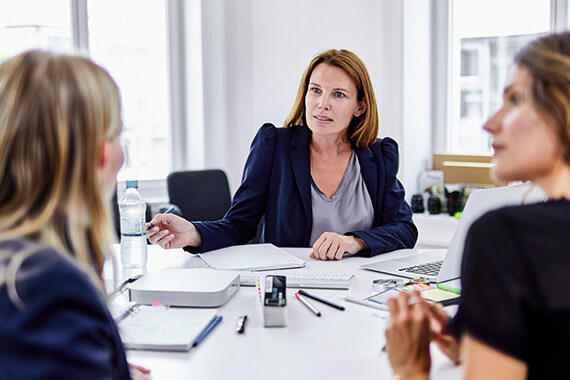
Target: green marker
449,288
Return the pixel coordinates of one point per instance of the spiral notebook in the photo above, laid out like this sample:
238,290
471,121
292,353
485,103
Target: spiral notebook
160,328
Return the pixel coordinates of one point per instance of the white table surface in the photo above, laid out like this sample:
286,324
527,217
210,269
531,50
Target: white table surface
339,345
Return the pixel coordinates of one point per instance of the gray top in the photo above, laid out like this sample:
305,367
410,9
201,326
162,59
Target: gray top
349,209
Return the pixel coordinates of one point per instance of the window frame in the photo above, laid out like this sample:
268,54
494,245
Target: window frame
446,60
155,191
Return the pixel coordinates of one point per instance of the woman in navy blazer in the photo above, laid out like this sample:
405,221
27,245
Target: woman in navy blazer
334,119
59,137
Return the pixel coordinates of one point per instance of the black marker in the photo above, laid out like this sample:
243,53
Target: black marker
240,327
326,302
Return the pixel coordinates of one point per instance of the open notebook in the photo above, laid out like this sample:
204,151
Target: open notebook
160,328
251,257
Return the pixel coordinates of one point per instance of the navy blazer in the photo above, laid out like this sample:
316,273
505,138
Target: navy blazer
62,330
277,183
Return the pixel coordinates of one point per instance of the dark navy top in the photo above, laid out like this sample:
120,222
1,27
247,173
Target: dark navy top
276,183
62,329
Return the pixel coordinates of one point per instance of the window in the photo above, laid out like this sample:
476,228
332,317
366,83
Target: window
130,39
485,36
34,24
132,45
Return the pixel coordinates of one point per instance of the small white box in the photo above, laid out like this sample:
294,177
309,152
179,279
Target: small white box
200,287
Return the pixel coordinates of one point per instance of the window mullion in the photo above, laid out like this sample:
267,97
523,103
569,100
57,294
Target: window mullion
79,25
558,15
176,32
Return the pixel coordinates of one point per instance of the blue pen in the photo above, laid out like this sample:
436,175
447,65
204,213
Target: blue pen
170,209
213,323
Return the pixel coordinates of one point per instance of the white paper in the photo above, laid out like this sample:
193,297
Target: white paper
251,257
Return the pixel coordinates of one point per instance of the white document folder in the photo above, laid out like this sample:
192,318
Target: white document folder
251,257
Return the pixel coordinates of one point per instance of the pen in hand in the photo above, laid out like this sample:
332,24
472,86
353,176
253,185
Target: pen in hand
170,209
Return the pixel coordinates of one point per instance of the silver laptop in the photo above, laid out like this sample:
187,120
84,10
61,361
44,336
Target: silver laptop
442,265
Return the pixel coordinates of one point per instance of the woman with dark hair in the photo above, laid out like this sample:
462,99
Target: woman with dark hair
514,320
324,181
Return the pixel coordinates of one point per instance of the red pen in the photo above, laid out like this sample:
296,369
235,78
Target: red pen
309,306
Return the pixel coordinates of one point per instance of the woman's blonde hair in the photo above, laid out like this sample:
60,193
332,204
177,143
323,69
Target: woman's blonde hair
56,111
548,60
363,130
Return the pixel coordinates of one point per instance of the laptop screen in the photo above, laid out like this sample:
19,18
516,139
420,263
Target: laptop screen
478,203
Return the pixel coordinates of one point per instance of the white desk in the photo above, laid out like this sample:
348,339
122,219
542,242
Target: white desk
339,345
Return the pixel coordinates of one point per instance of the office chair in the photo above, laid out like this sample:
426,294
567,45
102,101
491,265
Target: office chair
200,194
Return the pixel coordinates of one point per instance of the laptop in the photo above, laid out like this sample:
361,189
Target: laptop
441,265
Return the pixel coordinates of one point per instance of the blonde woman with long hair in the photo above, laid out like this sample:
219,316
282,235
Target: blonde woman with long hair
59,156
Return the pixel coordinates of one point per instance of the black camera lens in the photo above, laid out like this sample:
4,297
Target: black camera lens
418,203
434,205
454,202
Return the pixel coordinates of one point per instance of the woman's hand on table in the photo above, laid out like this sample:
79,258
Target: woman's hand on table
172,231
333,246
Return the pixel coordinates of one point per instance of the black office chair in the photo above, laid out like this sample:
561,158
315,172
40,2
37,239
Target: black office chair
200,194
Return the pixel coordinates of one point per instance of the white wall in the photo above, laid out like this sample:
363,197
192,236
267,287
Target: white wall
416,142
255,51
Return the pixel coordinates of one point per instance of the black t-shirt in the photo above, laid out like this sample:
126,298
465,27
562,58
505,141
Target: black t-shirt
516,285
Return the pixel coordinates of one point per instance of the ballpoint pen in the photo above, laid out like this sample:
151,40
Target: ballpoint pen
308,304
366,303
216,321
170,209
319,299
123,286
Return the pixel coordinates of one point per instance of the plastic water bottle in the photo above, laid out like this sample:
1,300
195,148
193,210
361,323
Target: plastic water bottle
132,209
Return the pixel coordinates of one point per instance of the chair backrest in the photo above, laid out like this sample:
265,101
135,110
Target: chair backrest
200,194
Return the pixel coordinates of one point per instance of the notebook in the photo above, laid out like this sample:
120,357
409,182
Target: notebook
251,257
160,328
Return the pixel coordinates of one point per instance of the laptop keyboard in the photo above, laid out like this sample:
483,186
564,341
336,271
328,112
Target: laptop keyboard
427,269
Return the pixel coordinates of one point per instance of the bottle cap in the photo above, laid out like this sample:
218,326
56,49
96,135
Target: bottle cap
132,184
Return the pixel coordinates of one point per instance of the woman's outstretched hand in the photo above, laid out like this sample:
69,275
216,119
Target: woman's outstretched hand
171,231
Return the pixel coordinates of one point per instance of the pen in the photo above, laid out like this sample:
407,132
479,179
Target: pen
319,299
240,328
123,286
308,304
170,209
213,323
366,303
